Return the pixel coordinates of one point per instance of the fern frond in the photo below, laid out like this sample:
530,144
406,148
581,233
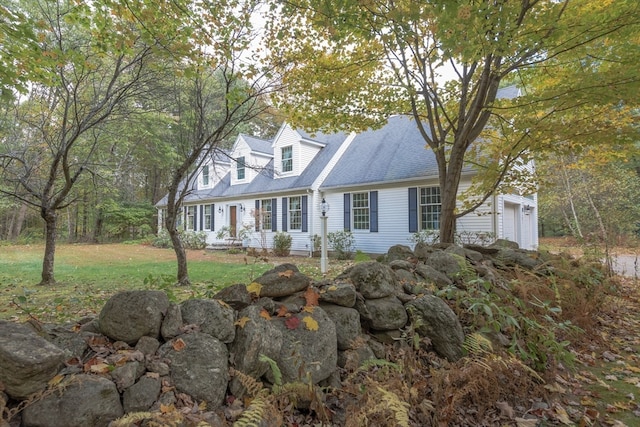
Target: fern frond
277,374
370,363
131,418
252,385
399,408
477,345
253,415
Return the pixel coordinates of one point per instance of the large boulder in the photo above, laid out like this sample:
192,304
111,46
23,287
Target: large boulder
339,292
199,366
27,361
255,336
213,317
83,401
386,314
450,264
435,320
372,279
310,346
282,281
400,252
347,322
128,316
141,395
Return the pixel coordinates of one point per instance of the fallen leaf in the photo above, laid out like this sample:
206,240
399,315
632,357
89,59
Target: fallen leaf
166,409
242,321
292,322
288,274
562,415
332,288
311,296
310,323
308,309
265,314
100,368
283,311
55,380
179,344
254,288
505,409
526,422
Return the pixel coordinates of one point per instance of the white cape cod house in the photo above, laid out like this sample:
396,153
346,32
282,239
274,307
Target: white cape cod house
382,185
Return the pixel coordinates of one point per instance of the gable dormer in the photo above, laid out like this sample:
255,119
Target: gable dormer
212,170
293,151
249,156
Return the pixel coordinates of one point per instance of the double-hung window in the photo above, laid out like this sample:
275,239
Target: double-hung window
191,216
295,213
240,168
360,209
205,175
430,207
287,159
207,217
265,214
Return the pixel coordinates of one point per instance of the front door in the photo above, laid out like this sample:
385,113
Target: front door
233,221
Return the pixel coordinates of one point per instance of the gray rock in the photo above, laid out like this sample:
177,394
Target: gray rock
27,361
282,281
404,276
147,345
452,265
235,295
510,257
126,375
387,313
432,275
142,395
347,322
172,323
86,401
128,316
400,252
352,359
338,293
423,251
372,279
307,352
257,336
503,243
199,366
158,366
212,316
72,343
435,320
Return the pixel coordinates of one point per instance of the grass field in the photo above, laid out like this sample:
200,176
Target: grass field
88,275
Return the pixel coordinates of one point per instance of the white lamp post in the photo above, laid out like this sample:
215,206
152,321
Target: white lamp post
324,208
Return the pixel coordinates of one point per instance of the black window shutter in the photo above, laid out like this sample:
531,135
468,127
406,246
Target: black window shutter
347,211
274,214
373,211
284,213
304,214
413,210
201,217
213,225
257,215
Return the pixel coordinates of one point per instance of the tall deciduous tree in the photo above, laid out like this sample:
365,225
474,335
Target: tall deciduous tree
88,63
349,64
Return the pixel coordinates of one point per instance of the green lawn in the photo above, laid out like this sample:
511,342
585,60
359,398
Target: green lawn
88,275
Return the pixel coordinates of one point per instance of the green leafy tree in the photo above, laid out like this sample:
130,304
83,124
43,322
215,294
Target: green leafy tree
349,65
89,61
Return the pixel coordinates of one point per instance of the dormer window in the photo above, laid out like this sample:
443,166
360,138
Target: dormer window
287,159
205,175
240,167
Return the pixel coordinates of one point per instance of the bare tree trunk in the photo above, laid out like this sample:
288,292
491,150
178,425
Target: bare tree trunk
172,229
19,221
568,189
50,220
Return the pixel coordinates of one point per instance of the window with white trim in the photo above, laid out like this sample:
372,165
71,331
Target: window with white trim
265,214
360,211
295,213
240,168
430,208
205,175
287,159
207,217
191,215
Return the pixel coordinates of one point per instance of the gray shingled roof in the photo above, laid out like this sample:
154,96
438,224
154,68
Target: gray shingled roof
394,152
258,145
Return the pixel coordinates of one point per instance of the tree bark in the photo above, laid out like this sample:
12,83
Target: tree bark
171,226
50,220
